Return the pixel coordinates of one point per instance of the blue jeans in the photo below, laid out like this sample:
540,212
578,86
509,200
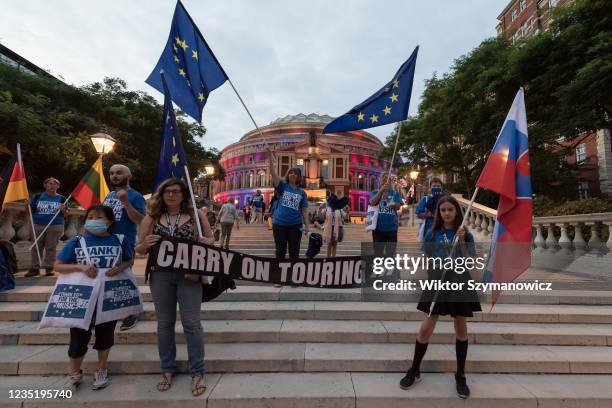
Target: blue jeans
167,288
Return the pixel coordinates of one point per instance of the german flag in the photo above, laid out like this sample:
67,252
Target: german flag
13,185
92,188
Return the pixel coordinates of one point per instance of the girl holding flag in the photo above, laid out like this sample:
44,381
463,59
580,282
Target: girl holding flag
96,249
460,305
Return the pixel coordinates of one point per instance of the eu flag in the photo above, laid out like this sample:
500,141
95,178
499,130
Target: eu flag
192,70
388,105
172,159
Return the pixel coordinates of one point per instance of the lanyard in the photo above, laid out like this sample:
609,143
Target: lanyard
171,228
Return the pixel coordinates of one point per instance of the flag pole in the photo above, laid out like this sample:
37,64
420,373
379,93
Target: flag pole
193,202
247,110
29,207
455,241
49,223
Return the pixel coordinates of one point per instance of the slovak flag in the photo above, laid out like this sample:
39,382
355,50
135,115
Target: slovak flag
507,173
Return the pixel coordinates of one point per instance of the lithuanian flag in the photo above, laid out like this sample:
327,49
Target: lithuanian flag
13,185
92,188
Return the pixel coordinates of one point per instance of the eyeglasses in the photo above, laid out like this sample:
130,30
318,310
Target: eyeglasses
172,192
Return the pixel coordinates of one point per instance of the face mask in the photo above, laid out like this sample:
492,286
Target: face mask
96,227
436,191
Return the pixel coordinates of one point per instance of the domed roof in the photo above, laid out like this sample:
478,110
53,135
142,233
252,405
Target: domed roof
301,118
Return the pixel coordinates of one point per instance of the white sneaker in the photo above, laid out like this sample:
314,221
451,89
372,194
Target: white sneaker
72,381
100,379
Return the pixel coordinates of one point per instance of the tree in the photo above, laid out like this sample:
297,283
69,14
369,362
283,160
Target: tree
53,122
565,73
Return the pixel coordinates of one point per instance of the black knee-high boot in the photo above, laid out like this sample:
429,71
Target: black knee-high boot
419,353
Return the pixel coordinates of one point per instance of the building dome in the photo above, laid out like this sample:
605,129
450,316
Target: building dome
301,118
345,163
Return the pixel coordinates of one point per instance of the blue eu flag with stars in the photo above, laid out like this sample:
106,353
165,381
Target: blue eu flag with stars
192,70
172,158
388,105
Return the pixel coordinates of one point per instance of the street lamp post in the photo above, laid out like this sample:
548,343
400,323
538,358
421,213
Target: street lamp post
103,143
210,171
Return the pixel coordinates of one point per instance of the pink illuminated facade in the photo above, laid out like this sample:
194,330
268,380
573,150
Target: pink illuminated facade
345,163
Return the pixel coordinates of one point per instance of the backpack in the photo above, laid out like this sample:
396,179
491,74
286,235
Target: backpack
8,251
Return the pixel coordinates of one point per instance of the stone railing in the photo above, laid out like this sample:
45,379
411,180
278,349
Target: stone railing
580,243
14,214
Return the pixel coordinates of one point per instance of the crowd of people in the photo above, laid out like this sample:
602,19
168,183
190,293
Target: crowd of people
126,222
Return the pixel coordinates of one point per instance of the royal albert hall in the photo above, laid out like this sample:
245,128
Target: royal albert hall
344,163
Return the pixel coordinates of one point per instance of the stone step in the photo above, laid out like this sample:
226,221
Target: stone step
259,293
325,390
320,357
325,331
22,311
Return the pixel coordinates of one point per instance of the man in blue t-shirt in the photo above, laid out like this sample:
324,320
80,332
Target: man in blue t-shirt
44,206
257,203
129,208
427,207
389,201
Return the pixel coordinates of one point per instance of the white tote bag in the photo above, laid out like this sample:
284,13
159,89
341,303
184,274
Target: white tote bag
73,300
371,217
119,296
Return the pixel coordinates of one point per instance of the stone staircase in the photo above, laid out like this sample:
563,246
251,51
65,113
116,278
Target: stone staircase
302,347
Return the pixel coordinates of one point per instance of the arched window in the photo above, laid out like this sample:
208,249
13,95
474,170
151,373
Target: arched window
238,181
373,182
251,180
261,178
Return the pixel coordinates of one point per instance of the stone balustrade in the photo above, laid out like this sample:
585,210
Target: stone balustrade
12,224
581,243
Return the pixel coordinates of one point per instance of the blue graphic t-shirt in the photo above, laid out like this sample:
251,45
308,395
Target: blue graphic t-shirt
102,250
289,206
123,225
439,244
387,216
257,202
45,209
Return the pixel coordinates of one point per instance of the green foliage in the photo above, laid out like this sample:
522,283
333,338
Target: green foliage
53,122
546,207
566,75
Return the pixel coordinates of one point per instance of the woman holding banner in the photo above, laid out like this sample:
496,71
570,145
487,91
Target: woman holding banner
290,213
170,214
86,255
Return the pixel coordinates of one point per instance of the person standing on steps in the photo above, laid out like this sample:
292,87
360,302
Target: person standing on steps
459,304
44,206
170,214
93,246
389,201
129,208
427,206
291,213
257,204
228,216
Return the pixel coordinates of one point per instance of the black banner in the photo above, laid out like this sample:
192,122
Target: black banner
182,255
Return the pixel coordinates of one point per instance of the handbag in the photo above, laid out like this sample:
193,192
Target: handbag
73,300
119,296
371,217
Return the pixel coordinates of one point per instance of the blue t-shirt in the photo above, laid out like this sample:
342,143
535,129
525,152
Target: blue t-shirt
45,209
257,202
102,250
289,206
421,208
387,216
123,225
440,242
